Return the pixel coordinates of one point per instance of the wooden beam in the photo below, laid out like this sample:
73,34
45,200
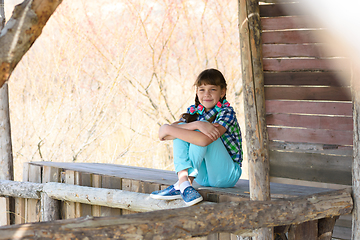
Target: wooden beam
198,220
138,202
254,101
20,189
21,31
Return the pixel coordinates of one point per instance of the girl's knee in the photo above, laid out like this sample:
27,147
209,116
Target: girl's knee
222,184
229,181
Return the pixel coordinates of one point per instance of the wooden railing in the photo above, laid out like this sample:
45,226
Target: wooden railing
200,220
81,192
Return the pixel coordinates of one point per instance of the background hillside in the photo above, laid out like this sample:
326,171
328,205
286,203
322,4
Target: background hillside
104,75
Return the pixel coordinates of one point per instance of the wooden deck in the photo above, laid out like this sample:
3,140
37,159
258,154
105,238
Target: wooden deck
145,180
163,177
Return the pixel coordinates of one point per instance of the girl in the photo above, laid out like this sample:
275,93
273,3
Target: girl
206,142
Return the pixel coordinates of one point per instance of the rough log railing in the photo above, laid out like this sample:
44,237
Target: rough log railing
139,202
199,220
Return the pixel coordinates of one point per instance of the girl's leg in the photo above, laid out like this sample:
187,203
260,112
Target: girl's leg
183,166
181,155
218,169
183,162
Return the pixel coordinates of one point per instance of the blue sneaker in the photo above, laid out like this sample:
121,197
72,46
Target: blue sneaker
191,196
170,193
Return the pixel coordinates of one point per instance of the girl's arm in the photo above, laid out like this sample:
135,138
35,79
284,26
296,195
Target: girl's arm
208,132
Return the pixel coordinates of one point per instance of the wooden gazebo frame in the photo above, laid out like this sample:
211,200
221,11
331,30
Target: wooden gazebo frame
243,216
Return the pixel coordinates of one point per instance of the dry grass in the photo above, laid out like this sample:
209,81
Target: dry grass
104,75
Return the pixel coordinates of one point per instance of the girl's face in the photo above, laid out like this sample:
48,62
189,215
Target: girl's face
209,95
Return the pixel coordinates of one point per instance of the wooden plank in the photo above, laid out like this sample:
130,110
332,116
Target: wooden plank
127,185
78,207
325,136
128,172
20,203
328,149
295,50
308,93
334,79
96,182
193,221
33,206
310,121
311,167
306,230
283,9
293,36
305,64
110,183
69,206
309,107
85,180
277,1
4,211
288,22
325,228
291,22
19,210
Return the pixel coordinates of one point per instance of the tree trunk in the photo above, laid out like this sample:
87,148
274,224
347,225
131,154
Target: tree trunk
21,31
254,104
198,220
6,158
2,15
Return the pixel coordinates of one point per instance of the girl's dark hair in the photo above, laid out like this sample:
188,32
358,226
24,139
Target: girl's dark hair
207,77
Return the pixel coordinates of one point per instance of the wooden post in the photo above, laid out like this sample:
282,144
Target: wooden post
49,206
33,210
96,182
306,230
254,104
110,183
356,145
326,227
85,180
70,207
20,203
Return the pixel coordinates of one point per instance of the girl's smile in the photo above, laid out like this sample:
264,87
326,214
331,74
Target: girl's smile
209,95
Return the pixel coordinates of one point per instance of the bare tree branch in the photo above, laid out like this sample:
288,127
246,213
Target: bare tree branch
21,31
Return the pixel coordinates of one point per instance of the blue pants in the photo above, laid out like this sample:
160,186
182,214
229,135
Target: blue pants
211,166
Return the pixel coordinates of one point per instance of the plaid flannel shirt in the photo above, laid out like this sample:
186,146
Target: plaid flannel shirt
226,117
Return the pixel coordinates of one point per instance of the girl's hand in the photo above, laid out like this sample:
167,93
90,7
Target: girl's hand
209,129
162,132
